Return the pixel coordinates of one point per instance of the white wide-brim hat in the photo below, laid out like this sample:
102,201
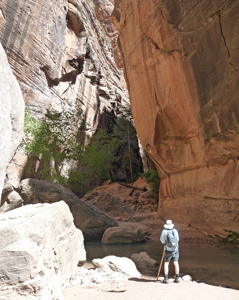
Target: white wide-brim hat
169,224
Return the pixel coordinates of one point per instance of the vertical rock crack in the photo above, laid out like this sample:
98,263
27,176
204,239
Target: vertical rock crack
225,42
224,39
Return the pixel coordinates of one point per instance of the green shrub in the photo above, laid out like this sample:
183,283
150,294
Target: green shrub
153,178
232,237
52,142
98,156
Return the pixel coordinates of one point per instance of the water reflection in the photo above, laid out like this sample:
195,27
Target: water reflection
209,264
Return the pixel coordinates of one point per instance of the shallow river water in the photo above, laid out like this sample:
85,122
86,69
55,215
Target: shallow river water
210,264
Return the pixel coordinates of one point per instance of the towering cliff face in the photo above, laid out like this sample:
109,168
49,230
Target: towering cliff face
104,9
181,64
62,58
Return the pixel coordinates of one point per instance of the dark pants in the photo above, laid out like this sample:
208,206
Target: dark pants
174,256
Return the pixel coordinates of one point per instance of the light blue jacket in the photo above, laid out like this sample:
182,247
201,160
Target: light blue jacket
163,239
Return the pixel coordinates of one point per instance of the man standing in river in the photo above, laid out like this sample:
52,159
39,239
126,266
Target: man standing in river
170,239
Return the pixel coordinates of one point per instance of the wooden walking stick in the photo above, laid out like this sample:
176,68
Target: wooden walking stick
160,265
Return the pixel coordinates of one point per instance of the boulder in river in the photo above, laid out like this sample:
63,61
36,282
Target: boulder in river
145,264
123,235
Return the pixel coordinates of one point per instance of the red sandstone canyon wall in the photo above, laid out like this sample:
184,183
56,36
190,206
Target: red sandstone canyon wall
181,62
104,9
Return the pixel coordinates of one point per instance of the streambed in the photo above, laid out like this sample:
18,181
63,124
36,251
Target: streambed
216,265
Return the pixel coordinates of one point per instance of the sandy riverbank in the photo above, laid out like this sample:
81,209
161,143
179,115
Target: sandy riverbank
150,289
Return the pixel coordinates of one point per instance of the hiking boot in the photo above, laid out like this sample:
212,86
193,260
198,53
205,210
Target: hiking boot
177,279
165,279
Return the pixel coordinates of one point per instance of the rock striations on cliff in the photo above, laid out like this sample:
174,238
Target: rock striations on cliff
39,251
181,65
62,58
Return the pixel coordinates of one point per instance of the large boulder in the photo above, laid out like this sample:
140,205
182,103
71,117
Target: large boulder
91,220
7,189
181,64
123,235
11,115
113,263
14,200
145,264
110,205
39,251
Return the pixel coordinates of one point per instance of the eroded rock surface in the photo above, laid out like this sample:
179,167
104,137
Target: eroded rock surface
104,9
63,60
11,115
145,264
121,200
123,235
88,218
40,250
122,265
109,281
12,201
181,64
109,204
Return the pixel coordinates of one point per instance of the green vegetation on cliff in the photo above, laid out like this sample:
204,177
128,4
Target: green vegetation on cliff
59,150
232,237
153,178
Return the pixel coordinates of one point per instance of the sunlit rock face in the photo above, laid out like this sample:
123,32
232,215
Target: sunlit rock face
11,115
181,64
40,248
62,58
